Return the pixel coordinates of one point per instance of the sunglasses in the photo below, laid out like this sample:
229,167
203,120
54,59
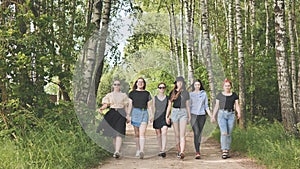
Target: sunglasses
117,84
161,87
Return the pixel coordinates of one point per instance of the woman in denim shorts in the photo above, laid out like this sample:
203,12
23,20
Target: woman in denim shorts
180,116
226,101
139,105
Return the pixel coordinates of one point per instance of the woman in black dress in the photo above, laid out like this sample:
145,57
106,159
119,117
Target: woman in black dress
160,104
114,122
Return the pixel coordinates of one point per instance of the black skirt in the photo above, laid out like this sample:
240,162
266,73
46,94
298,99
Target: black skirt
113,123
160,121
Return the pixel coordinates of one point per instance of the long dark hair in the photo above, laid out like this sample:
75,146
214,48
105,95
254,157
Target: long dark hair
135,86
175,96
201,85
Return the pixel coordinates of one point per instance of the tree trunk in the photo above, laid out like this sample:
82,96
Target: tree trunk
190,43
91,63
182,37
102,45
171,43
207,49
89,13
241,64
291,18
252,51
97,13
298,99
176,40
231,65
267,27
285,94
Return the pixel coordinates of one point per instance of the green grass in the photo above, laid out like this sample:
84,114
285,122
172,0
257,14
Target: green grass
60,143
269,144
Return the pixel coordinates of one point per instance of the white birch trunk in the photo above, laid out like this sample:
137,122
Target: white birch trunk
231,65
207,49
291,18
182,37
176,40
252,51
241,64
188,14
285,94
267,27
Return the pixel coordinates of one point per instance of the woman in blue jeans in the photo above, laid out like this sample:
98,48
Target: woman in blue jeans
140,107
226,101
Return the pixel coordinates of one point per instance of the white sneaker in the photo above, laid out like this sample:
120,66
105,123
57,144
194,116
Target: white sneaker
137,154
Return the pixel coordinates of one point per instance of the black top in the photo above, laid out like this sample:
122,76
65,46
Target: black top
227,102
181,100
140,98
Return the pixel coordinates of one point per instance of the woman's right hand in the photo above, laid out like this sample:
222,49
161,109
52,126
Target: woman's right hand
100,110
168,121
212,119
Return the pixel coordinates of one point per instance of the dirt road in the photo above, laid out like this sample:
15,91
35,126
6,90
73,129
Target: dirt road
210,155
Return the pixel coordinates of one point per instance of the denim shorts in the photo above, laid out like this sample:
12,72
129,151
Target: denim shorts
138,116
178,114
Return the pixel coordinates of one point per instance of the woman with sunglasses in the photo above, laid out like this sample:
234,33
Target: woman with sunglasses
114,121
140,105
181,115
199,108
160,104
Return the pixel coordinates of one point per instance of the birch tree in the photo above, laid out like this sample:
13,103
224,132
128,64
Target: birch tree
252,52
190,43
207,48
267,28
284,84
291,26
182,37
231,38
239,26
175,40
92,60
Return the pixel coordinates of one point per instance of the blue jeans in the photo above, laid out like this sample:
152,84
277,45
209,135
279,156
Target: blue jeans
226,122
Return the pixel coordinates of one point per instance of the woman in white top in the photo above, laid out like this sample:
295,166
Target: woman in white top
114,121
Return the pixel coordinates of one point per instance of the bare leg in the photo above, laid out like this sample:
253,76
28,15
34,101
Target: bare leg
164,138
182,128
137,138
118,143
159,138
142,133
177,136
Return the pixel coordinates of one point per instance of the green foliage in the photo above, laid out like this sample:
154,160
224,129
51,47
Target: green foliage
267,143
60,142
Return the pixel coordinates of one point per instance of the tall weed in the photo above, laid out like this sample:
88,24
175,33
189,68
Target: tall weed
268,143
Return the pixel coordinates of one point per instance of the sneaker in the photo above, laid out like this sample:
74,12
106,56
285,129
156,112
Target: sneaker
116,155
159,154
182,156
197,155
137,154
141,155
163,154
178,155
224,155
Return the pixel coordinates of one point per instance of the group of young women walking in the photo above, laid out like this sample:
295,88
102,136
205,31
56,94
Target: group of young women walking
178,109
